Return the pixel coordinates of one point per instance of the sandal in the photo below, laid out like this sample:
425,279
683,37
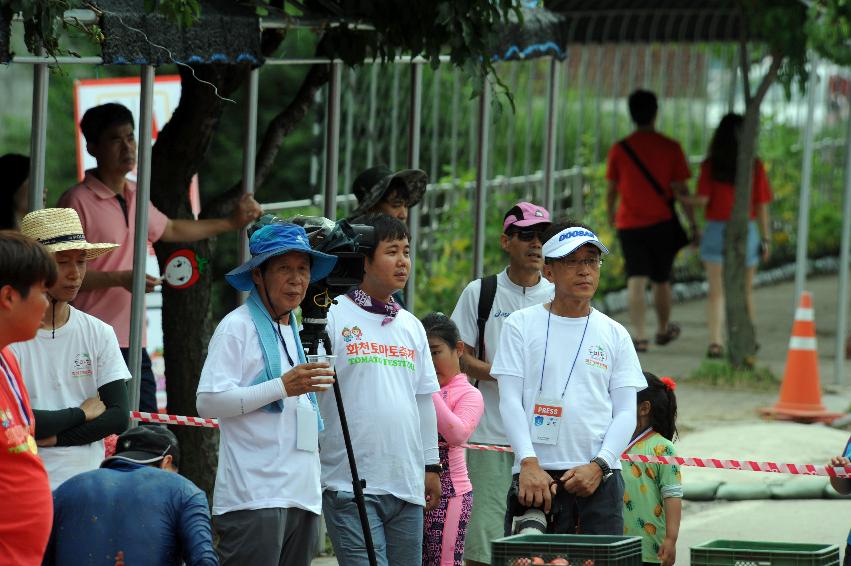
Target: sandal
715,351
672,334
640,345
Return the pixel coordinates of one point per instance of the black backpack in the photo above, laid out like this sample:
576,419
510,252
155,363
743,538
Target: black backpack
486,298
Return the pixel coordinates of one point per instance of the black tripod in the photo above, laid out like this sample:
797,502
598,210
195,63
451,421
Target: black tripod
314,323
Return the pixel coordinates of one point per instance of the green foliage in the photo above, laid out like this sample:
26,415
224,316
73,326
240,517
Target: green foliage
44,24
781,25
829,27
722,374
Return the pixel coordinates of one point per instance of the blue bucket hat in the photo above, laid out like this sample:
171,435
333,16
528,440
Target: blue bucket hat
278,239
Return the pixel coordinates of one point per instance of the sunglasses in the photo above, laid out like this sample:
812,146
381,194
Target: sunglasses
528,235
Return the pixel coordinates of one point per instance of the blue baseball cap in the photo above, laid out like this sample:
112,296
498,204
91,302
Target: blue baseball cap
277,239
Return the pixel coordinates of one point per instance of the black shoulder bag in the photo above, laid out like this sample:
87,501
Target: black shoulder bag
679,237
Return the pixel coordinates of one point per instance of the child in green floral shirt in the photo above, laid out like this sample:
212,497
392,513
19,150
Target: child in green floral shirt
653,492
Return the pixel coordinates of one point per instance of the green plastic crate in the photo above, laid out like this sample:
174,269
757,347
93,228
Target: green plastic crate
598,550
748,553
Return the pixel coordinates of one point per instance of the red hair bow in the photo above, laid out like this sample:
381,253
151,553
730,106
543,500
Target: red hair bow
669,383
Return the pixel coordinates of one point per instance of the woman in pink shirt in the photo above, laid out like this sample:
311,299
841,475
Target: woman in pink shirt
459,407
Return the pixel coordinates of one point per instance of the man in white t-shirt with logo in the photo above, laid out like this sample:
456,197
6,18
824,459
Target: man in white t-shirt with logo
568,378
518,286
73,368
267,498
386,379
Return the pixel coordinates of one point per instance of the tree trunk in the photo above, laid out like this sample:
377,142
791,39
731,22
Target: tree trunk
741,334
741,342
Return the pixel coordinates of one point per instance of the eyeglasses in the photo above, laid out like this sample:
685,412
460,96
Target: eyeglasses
527,235
572,263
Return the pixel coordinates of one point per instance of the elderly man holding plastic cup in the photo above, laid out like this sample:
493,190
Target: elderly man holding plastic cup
267,497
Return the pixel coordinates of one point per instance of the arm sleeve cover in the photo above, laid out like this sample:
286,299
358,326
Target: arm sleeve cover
624,409
239,400
456,427
113,421
51,423
428,428
514,419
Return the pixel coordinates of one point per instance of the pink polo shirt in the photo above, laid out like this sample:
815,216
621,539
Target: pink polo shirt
104,221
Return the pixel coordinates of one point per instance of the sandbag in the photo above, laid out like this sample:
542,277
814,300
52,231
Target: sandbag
799,488
700,490
743,491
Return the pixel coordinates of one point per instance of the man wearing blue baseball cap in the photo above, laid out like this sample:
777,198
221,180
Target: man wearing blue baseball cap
267,497
568,377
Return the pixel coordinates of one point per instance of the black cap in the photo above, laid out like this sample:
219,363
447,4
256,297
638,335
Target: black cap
146,445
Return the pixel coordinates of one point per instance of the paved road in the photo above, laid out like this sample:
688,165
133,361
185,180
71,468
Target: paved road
725,422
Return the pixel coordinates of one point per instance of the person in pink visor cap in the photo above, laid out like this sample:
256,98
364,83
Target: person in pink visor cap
480,313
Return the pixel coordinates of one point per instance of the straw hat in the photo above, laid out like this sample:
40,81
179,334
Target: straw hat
59,229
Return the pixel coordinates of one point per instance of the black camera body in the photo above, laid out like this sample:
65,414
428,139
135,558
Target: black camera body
349,243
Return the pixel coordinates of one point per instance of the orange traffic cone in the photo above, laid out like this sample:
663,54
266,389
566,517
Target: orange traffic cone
800,393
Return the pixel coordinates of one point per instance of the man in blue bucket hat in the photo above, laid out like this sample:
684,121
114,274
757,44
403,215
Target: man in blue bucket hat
267,497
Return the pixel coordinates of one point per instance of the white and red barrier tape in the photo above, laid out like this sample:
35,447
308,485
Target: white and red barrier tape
173,419
741,465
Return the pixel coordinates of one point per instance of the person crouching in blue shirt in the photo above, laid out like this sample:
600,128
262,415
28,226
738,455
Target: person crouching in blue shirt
135,509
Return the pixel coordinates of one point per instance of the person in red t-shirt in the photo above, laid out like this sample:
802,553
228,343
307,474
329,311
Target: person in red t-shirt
716,191
644,216
26,271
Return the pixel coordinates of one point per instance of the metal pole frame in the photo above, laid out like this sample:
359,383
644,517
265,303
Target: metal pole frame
552,128
394,117
844,252
38,140
806,185
481,180
453,125
373,95
350,128
140,238
249,158
414,127
332,144
434,165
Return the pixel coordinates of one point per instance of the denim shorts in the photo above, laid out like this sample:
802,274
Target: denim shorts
712,243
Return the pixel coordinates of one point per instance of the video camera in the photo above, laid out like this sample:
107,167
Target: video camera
349,243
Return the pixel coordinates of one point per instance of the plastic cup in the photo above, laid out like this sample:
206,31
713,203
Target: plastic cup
316,358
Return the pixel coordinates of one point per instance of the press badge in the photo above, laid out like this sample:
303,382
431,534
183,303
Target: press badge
546,420
307,428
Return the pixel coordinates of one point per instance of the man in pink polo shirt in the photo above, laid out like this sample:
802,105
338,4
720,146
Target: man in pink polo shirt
106,203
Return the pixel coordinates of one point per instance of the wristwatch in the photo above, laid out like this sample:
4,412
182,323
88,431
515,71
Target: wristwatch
604,467
433,468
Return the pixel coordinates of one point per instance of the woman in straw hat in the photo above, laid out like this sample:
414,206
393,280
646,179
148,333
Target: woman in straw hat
73,368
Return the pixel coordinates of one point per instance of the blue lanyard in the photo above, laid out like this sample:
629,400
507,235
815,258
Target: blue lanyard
13,385
546,345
